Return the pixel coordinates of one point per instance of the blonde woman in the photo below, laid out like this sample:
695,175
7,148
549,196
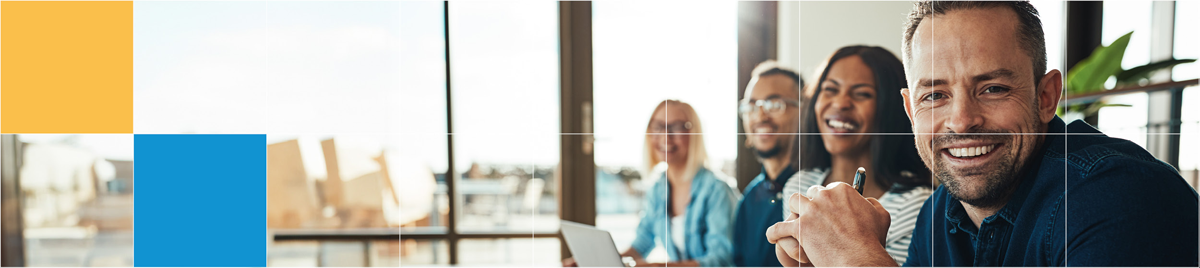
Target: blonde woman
689,210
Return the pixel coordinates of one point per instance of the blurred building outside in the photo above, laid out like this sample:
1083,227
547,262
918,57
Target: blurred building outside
77,206
355,191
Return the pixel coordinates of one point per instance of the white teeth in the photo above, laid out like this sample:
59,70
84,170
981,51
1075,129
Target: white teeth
842,124
971,151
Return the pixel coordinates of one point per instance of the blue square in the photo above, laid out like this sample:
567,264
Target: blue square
201,200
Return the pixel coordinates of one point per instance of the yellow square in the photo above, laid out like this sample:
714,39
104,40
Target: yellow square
66,67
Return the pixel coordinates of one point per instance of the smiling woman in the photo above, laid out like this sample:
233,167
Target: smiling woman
858,95
854,119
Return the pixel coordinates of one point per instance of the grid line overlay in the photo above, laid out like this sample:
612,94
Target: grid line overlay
532,164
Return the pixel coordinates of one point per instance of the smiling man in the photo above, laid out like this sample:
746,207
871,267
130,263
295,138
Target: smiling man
1017,190
771,117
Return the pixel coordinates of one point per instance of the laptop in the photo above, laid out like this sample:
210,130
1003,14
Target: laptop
591,247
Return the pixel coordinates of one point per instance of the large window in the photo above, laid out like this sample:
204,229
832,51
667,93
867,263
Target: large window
694,62
504,71
422,116
1165,122
421,135
1187,46
1189,137
76,199
1121,17
499,191
319,79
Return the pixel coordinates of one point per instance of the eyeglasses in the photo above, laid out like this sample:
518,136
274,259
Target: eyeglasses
768,106
678,127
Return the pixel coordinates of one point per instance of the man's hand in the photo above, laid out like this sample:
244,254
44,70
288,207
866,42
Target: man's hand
835,227
787,249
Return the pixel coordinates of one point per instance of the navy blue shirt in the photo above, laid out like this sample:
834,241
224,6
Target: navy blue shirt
761,207
1089,200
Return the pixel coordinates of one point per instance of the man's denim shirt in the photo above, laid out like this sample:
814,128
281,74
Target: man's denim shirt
1089,200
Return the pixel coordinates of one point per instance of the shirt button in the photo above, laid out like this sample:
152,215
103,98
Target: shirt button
953,231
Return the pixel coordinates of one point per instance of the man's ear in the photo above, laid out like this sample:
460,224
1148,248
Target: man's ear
1048,94
908,106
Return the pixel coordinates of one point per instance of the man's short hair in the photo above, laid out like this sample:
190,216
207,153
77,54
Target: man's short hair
771,67
1029,28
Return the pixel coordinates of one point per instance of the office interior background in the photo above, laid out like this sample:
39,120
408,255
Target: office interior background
469,129
501,129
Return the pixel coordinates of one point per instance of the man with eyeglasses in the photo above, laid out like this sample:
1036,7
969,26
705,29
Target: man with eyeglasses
771,119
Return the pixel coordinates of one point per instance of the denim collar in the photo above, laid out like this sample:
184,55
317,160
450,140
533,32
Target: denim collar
696,181
777,184
957,215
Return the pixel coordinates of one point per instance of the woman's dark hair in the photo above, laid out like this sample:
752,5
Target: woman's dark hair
894,157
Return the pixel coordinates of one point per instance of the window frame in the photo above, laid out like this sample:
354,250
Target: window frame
1083,29
576,159
13,228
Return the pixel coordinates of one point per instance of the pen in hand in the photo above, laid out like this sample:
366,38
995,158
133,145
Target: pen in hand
860,177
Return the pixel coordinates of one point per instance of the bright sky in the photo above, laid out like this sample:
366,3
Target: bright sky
505,78
107,146
290,69
423,84
504,71
646,52
265,67
1187,39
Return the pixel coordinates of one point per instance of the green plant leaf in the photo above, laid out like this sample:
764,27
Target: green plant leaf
1136,74
1076,107
1090,74
1095,107
1081,72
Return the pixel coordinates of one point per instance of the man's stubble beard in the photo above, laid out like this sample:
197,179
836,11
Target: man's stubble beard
997,179
781,143
769,153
